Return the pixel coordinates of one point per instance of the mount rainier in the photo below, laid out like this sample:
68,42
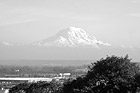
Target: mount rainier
68,44
71,37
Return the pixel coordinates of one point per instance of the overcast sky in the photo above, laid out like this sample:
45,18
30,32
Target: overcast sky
114,21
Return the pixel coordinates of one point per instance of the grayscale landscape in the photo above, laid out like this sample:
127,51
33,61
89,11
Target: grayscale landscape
69,46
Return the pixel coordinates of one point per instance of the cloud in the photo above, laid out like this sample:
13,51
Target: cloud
1,4
102,43
130,47
135,1
17,21
20,14
6,43
85,18
22,21
17,16
134,14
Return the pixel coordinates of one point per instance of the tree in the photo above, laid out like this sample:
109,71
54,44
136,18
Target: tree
20,88
37,87
43,87
113,74
74,86
108,75
137,82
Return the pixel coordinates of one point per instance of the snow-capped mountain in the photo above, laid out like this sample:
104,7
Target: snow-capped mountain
72,37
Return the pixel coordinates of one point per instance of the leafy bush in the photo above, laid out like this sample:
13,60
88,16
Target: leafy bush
108,75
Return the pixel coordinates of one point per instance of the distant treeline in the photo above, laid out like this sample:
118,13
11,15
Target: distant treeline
21,70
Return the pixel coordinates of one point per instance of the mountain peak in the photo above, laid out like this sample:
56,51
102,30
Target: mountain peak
75,29
70,30
72,37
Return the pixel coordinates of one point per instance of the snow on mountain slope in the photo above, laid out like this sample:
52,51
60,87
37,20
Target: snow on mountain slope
71,37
